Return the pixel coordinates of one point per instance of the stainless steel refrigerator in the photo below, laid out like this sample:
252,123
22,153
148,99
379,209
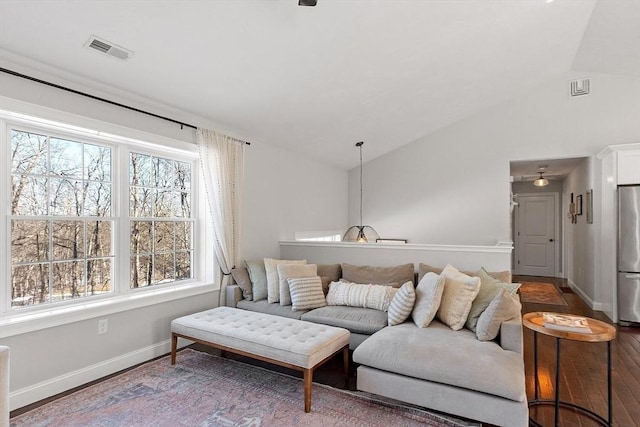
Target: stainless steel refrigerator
629,254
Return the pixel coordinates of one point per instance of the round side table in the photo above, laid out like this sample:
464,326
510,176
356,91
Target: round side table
600,332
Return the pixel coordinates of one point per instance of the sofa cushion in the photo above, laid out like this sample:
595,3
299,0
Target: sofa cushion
378,275
332,271
457,297
503,307
273,280
292,271
450,357
263,306
306,293
258,277
356,319
401,304
377,297
241,277
428,297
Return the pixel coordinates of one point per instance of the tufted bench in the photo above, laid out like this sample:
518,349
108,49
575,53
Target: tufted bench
291,343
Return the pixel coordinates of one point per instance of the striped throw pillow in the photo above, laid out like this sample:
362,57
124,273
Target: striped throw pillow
306,293
401,304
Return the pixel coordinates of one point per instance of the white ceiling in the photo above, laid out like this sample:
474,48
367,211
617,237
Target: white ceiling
318,79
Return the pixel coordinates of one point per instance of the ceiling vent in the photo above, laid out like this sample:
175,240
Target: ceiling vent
580,87
108,48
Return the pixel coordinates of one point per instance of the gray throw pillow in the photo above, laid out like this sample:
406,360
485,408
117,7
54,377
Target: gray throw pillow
428,296
241,277
258,276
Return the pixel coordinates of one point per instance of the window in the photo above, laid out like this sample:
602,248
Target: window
93,216
61,225
161,223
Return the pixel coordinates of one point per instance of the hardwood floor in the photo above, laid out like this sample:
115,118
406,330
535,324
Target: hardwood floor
583,378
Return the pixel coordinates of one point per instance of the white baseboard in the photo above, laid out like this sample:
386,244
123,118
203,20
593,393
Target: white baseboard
594,305
53,386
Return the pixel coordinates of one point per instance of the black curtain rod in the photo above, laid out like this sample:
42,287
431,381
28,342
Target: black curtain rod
97,98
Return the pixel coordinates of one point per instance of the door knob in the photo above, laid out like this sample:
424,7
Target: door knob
551,240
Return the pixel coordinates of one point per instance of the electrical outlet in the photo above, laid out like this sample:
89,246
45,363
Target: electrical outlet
103,326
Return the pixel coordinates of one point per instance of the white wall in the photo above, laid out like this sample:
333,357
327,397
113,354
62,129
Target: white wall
579,248
286,192
452,187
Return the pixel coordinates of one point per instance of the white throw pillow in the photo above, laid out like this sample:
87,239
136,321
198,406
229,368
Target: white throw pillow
428,297
273,281
457,297
377,297
306,293
292,271
401,304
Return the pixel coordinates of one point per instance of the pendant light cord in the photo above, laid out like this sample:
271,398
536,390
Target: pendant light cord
360,144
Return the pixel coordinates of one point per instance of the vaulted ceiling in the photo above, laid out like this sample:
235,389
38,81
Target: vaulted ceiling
318,79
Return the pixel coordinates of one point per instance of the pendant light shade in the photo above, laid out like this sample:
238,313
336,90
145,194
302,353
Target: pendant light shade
360,233
541,182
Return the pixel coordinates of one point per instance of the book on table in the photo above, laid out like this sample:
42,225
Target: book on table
566,322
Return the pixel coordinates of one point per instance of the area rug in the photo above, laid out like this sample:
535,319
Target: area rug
204,390
541,293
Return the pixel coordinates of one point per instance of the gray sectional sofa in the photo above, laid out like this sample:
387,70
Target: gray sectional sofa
433,367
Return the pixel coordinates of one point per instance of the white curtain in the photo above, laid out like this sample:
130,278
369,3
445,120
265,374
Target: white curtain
222,165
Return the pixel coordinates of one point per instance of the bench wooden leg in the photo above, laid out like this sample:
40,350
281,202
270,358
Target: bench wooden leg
345,356
308,380
174,347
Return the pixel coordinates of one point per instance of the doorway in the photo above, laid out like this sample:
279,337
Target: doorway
537,234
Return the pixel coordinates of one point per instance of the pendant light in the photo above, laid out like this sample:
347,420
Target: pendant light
360,233
541,181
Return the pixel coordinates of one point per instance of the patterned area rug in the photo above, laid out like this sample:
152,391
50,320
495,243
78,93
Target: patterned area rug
541,293
205,390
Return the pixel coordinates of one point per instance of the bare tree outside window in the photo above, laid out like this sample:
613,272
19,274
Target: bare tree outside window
161,220
61,226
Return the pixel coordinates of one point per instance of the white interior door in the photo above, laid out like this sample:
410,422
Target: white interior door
535,234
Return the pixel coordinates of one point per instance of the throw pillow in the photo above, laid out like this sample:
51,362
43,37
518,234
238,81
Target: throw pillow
306,293
378,275
377,297
273,281
489,288
502,308
503,276
401,304
459,292
241,277
258,277
332,271
292,271
486,294
428,297
485,277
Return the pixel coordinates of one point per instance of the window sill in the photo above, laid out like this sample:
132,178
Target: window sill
22,323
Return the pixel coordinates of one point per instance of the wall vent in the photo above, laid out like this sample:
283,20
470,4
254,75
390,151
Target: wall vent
108,48
580,87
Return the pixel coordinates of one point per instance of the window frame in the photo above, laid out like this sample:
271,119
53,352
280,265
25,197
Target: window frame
122,141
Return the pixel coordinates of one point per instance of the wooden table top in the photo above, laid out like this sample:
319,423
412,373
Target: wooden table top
600,331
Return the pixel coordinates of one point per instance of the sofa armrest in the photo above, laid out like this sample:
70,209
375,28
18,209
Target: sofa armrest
233,295
511,335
